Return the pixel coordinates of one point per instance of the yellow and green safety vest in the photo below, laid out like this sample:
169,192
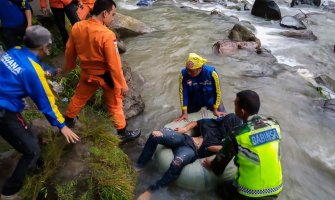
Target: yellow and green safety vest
258,159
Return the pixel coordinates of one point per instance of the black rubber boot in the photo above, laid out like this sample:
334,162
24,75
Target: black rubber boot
127,135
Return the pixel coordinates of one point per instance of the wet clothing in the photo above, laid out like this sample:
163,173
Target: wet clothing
183,147
13,21
200,91
16,132
22,75
256,147
96,47
59,8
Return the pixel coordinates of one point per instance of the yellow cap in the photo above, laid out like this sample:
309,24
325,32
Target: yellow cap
197,60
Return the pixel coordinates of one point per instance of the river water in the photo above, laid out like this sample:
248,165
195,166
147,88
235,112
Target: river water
308,133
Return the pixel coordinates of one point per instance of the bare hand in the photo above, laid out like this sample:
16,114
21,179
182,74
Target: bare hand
70,136
207,163
184,116
181,130
219,113
145,196
124,91
45,11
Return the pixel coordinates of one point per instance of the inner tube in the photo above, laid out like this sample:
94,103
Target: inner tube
193,176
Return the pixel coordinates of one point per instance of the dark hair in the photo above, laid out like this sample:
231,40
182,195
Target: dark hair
102,5
249,101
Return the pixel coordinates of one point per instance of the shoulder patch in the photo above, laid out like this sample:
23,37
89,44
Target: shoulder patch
264,137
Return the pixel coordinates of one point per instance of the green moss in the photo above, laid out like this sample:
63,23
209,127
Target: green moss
30,115
110,174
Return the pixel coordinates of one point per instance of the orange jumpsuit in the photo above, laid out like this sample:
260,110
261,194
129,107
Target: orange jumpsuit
87,7
55,3
96,47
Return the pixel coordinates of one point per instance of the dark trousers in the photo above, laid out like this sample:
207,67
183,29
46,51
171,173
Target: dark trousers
59,16
12,37
183,155
15,131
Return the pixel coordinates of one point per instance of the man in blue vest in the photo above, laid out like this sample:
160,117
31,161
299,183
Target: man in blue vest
199,86
256,148
22,75
15,17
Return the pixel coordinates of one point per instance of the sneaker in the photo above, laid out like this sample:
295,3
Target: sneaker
127,135
10,197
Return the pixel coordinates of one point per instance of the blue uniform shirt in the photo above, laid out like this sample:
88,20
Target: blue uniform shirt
22,75
11,15
202,90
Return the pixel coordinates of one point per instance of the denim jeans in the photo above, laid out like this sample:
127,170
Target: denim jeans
15,131
59,16
182,151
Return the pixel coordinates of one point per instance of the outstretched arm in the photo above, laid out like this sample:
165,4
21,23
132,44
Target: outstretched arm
188,127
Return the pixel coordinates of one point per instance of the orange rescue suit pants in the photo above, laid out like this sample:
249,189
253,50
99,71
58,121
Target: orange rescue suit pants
86,87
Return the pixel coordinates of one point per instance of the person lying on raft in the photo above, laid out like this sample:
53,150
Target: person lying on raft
186,149
199,86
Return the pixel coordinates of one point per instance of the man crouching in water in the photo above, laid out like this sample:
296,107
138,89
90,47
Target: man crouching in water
186,149
256,148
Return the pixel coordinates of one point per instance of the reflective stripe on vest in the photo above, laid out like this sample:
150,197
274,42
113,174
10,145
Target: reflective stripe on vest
259,168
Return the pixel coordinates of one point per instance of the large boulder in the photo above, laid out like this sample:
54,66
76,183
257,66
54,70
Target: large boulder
132,103
267,9
127,26
240,33
292,22
304,35
229,47
308,2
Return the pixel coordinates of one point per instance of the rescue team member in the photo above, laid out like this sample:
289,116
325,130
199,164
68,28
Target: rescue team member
59,8
85,9
199,86
100,63
21,75
15,17
256,147
186,149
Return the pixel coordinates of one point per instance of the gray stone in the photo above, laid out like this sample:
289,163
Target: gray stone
240,33
132,103
127,26
303,35
292,22
307,2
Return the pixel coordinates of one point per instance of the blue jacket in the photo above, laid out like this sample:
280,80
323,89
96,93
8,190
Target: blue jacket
202,90
22,75
11,15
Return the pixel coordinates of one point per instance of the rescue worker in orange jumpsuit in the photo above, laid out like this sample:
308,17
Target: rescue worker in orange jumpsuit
96,46
59,8
85,7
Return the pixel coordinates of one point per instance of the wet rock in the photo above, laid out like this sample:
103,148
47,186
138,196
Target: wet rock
292,22
267,9
248,25
303,35
230,47
133,103
329,6
234,7
308,2
329,105
121,46
127,26
240,33
328,85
